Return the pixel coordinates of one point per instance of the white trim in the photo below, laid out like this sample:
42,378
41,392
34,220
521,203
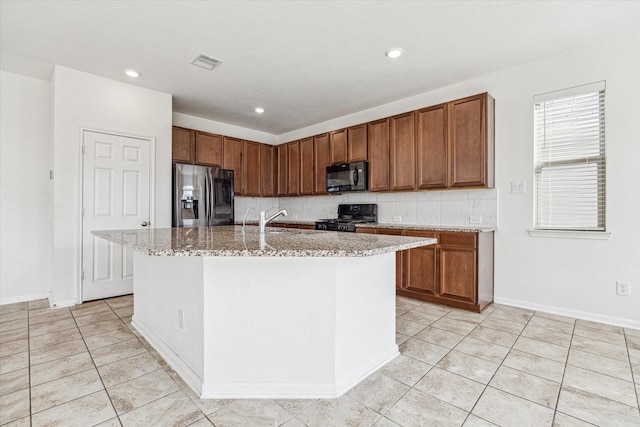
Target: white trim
152,191
26,298
296,390
177,364
572,91
570,234
583,315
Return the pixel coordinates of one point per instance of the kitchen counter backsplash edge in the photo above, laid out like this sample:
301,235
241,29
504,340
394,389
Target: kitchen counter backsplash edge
418,227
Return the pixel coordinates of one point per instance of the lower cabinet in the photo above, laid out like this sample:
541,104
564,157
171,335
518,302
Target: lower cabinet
457,271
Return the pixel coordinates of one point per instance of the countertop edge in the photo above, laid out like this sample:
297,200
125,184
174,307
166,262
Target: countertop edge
450,228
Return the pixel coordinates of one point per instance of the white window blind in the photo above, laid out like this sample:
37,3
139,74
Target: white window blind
569,150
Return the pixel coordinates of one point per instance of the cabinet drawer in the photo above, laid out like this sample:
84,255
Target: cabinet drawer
390,231
420,233
468,240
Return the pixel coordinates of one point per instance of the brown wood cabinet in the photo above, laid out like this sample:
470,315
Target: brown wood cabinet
232,159
378,148
338,144
293,166
283,170
209,148
402,152
471,144
357,143
457,271
268,170
306,167
252,174
183,142
432,158
321,159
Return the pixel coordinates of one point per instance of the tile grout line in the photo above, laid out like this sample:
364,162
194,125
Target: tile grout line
564,370
633,376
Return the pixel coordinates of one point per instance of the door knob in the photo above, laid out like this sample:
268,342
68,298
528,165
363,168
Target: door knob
144,223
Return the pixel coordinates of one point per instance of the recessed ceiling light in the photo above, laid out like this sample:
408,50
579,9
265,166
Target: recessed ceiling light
132,73
394,53
259,110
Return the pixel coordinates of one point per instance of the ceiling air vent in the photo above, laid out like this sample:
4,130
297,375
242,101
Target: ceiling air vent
206,62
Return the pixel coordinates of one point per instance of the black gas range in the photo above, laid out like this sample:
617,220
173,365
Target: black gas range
349,216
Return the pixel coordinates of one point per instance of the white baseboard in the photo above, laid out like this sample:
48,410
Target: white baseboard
25,298
176,363
609,320
296,390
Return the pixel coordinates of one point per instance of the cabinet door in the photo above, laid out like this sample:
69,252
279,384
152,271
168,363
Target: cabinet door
182,145
306,166
283,170
431,144
420,266
378,148
268,170
293,165
251,169
208,149
402,152
232,159
468,145
458,266
357,143
321,159
338,140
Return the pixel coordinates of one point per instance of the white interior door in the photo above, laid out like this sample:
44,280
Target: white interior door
115,196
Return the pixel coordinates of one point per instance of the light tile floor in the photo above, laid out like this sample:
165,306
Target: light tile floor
84,366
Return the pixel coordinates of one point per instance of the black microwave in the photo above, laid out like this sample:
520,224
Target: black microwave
347,177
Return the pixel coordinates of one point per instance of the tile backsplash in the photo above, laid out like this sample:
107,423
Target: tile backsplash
423,207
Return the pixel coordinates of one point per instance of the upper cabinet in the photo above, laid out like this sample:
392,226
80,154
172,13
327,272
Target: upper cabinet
445,146
293,165
471,141
357,143
402,152
183,145
306,166
233,160
251,165
268,170
338,143
208,149
283,170
432,159
378,148
321,159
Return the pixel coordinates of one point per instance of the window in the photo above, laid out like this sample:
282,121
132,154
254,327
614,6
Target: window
569,182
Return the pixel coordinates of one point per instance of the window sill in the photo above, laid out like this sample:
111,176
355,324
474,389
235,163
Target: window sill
571,234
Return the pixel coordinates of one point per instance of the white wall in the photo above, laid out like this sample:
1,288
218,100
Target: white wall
25,188
206,125
82,100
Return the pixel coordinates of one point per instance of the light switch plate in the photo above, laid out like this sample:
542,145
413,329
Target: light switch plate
518,187
475,220
397,218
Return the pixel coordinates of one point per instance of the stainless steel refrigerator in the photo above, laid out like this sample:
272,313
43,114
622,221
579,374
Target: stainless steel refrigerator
202,196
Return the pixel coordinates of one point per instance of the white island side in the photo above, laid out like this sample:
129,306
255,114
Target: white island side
296,314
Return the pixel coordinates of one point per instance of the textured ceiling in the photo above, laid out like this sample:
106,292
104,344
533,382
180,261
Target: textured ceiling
305,62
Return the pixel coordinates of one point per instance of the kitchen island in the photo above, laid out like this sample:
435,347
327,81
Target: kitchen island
284,314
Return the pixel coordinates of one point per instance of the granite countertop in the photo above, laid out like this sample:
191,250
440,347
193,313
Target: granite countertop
277,242
423,227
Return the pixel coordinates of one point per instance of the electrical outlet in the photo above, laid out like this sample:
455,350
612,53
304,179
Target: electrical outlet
397,218
180,319
518,187
623,288
475,220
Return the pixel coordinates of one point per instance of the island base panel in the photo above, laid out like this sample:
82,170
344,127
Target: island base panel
271,327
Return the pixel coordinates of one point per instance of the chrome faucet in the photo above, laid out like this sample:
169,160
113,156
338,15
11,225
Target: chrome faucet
264,220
